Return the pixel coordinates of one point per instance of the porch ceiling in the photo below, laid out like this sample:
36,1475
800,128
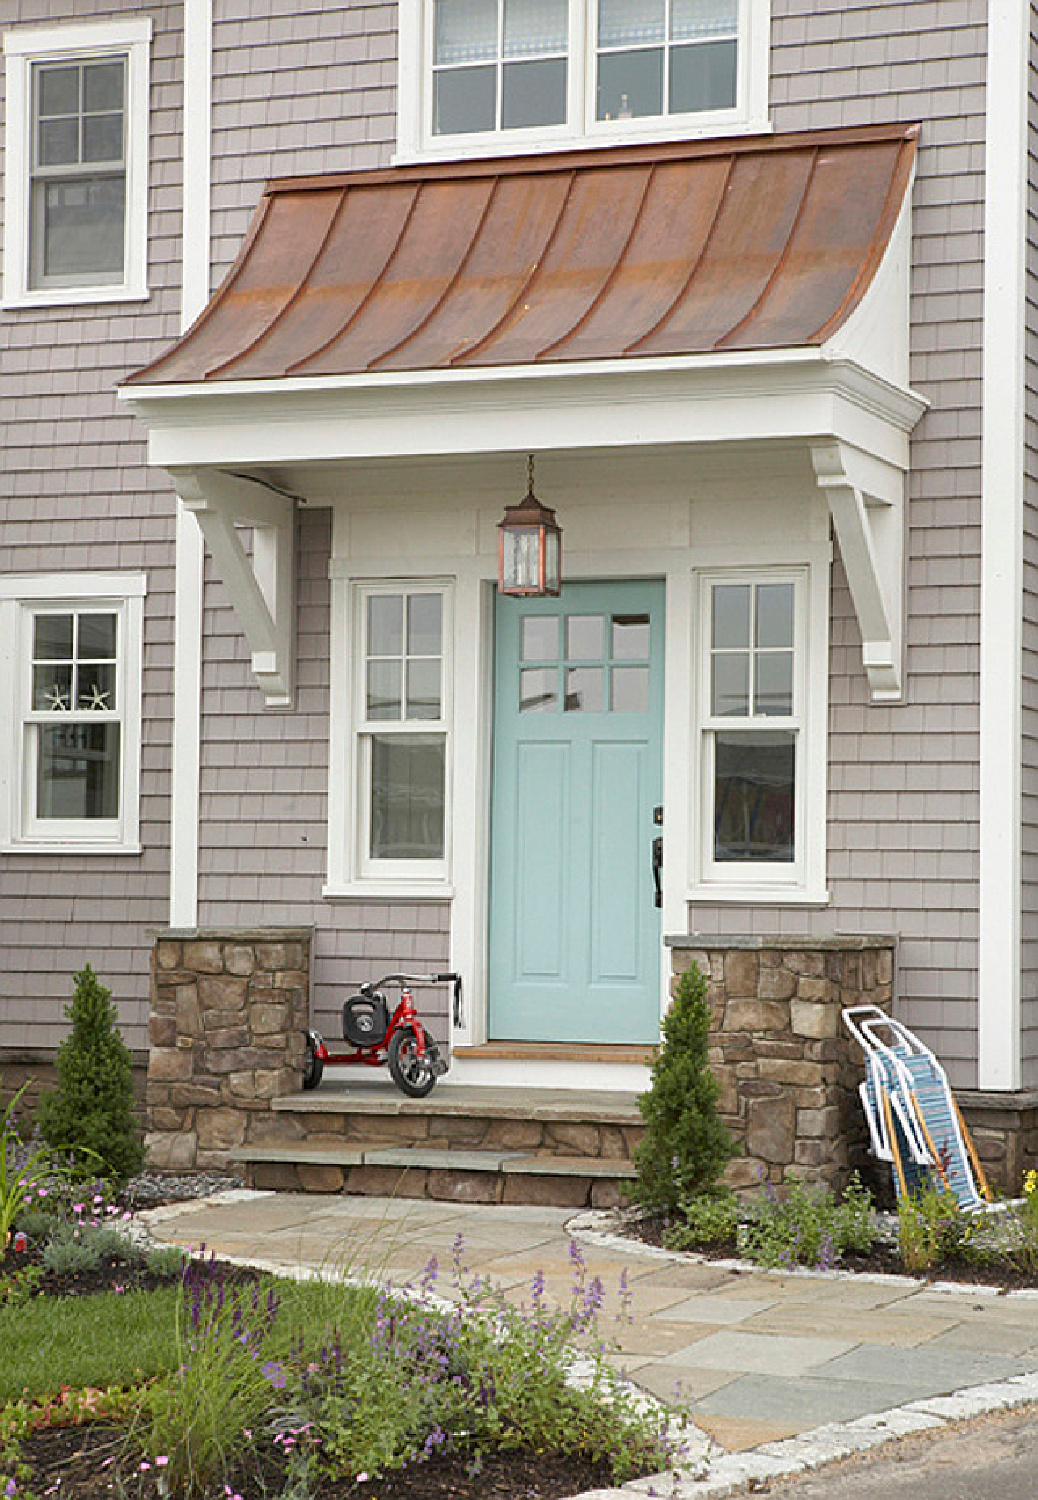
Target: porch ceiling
688,248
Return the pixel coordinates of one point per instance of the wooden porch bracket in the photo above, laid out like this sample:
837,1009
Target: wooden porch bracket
866,503
261,588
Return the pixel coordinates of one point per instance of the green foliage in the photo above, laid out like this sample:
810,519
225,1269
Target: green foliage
807,1227
686,1145
91,1111
930,1228
17,1166
167,1260
708,1219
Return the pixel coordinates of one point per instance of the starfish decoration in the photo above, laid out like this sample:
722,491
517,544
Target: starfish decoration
97,698
56,698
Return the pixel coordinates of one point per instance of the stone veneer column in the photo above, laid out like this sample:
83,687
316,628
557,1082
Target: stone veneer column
787,1068
228,1012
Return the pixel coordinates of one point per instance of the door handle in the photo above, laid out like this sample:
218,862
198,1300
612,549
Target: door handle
657,858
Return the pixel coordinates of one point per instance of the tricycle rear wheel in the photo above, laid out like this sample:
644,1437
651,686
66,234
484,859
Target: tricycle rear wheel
313,1066
411,1070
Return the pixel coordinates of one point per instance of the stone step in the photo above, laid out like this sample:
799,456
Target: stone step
466,1101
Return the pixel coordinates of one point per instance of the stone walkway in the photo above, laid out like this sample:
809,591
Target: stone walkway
781,1371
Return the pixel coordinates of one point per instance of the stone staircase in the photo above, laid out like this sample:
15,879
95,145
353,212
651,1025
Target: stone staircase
463,1142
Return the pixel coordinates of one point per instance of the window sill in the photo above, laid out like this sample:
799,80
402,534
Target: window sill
67,846
478,147
759,895
73,296
389,890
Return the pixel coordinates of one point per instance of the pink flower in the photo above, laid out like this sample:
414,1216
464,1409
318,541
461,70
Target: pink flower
162,1461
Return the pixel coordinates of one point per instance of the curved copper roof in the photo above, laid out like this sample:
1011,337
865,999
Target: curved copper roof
685,248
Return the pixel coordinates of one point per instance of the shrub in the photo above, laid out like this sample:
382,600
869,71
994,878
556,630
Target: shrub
807,1227
930,1228
686,1144
707,1219
91,1111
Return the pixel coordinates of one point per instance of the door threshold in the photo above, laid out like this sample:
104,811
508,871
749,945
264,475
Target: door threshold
589,1052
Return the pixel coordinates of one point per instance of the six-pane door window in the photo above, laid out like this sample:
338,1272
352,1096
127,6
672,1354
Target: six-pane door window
404,728
74,725
78,195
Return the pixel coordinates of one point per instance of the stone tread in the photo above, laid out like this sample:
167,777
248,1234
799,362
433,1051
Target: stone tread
437,1159
469,1101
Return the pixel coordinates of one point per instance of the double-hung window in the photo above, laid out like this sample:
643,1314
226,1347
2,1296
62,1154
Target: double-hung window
755,757
77,158
487,75
72,666
402,722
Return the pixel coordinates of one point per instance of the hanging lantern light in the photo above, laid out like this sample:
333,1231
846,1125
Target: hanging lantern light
530,550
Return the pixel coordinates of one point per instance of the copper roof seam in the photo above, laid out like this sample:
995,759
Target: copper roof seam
237,266
604,288
524,289
452,283
294,298
892,206
295,366
693,269
783,257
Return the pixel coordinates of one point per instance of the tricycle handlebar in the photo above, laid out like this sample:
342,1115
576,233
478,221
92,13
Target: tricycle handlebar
371,985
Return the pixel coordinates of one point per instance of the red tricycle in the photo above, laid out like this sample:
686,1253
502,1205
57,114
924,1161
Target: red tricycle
377,1037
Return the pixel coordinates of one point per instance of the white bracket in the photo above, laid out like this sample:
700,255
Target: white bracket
262,589
866,499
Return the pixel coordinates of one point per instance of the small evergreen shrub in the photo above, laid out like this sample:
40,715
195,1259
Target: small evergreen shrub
686,1144
91,1111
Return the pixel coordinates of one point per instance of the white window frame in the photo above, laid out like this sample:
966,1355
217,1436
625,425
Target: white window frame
803,878
24,48
21,599
416,141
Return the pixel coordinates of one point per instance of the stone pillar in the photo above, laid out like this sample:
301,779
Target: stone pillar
228,1013
787,1068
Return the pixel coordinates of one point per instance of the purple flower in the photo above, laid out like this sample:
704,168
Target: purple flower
275,1374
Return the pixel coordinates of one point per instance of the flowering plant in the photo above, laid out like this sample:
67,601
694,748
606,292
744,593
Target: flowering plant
16,1168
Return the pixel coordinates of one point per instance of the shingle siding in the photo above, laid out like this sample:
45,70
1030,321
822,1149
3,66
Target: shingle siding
1029,723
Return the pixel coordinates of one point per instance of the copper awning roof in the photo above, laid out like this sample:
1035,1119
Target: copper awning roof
684,248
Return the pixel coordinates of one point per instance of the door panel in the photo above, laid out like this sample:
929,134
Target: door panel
578,711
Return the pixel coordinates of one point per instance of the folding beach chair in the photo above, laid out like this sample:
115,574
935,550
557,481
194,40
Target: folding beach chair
913,1118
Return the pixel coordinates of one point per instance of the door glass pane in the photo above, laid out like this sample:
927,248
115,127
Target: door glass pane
630,84
83,226
407,796
423,689
754,780
538,690
773,682
540,638
95,686
78,771
385,625
730,689
96,637
584,689
621,22
585,637
535,26
731,614
466,30
52,687
533,93
631,690
383,690
774,614
702,77
630,637
52,638
424,625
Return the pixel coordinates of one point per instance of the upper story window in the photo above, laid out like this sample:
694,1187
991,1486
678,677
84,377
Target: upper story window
77,164
480,76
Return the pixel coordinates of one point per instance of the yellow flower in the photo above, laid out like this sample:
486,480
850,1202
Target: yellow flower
1031,1182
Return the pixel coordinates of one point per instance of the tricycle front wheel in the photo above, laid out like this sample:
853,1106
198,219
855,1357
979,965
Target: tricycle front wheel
411,1070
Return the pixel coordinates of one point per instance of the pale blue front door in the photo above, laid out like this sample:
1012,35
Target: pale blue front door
578,712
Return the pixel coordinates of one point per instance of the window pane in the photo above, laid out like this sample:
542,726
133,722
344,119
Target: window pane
466,30
103,138
424,625
754,780
103,86
83,227
630,690
52,638
533,93
695,18
630,637
78,771
52,688
630,84
622,22
773,683
58,91
730,689
538,690
540,638
731,614
385,625
534,26
58,143
465,99
774,614
702,77
407,796
584,690
96,640
423,689
585,637
95,686
384,687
